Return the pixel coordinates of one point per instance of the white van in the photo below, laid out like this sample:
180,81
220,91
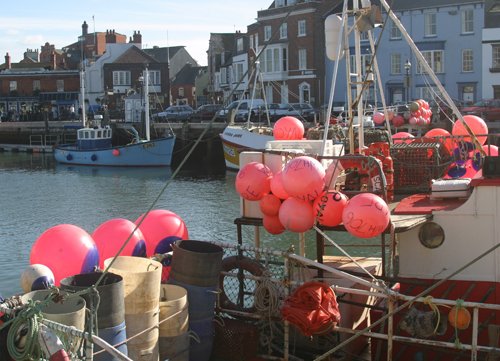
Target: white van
242,107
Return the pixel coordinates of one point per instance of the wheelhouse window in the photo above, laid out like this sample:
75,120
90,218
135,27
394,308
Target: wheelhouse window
467,21
121,78
430,24
467,60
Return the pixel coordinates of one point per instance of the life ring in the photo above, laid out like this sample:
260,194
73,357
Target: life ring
235,263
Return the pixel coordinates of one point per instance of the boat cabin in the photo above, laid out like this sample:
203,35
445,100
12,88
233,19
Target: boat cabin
94,138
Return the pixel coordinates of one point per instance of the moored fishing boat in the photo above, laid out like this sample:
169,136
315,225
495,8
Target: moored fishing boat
94,145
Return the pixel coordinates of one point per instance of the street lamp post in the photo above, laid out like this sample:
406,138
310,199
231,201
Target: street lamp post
407,79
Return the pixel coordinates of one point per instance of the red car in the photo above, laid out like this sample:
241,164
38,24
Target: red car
487,109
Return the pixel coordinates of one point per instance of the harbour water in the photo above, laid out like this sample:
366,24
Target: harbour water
37,193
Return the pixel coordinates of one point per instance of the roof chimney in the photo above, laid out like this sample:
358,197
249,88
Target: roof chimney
137,37
7,61
53,61
85,28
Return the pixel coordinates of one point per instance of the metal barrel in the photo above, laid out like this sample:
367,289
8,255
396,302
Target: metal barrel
175,348
205,330
114,336
201,300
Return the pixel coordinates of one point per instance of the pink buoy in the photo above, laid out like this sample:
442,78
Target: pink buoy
328,208
491,150
402,137
67,250
296,215
398,121
270,205
272,224
161,228
366,215
111,235
277,186
304,178
476,125
288,128
442,136
116,152
378,118
253,181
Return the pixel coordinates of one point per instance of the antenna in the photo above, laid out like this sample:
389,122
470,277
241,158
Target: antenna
95,40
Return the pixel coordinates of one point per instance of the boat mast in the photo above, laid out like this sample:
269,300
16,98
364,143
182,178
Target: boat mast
82,93
146,103
359,82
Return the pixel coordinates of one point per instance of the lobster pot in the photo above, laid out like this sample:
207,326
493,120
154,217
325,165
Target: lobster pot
196,263
417,164
141,284
175,348
201,349
111,311
201,300
235,340
174,315
115,335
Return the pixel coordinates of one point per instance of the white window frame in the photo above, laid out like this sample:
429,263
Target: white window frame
60,85
121,78
467,23
36,84
430,24
365,60
435,58
274,59
301,28
239,44
467,60
395,32
284,31
13,85
154,77
495,56
267,32
302,59
396,63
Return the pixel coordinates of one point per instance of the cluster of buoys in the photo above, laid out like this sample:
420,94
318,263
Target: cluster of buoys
467,159
420,113
66,250
298,195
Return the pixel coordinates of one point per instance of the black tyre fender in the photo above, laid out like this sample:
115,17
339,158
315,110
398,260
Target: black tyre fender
230,264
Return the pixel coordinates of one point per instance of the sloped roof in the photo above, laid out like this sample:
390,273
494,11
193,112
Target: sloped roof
162,54
188,74
135,55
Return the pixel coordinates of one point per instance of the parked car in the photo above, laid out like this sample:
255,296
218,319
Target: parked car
487,109
276,111
176,113
304,111
205,112
242,107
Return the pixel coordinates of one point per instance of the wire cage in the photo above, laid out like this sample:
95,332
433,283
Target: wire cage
417,164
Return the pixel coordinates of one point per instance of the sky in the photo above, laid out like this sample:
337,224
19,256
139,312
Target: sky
28,24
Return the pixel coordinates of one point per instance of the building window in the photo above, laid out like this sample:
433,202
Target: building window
435,59
60,85
239,44
395,32
428,92
302,59
274,60
283,31
365,63
154,77
396,63
251,42
12,85
495,52
467,21
467,60
280,3
267,32
121,78
430,24
36,85
237,72
181,92
256,41
304,93
301,26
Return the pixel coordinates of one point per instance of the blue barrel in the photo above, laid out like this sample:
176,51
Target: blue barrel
113,336
201,300
205,330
